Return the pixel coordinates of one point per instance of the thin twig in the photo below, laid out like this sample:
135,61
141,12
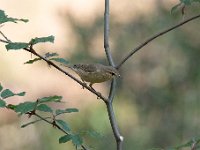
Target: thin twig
55,125
152,38
4,36
111,114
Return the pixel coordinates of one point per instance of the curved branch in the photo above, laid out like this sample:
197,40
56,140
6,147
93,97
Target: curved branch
107,32
154,37
111,114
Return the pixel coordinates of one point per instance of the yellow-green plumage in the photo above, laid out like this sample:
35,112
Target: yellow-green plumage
95,73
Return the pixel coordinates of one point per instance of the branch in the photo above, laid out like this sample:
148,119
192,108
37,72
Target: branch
107,32
111,114
66,73
154,37
55,125
32,51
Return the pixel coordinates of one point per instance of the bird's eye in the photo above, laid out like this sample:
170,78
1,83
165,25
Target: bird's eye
75,65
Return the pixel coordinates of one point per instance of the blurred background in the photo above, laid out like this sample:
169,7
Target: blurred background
157,101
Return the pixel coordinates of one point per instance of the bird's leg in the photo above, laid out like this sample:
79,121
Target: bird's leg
91,86
94,90
83,83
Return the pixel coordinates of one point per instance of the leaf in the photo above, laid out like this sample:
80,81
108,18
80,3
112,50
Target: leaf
10,106
54,98
42,40
68,110
2,103
60,60
8,93
4,18
77,140
21,94
63,125
65,138
1,87
32,122
32,61
47,55
16,46
174,8
186,2
44,108
25,107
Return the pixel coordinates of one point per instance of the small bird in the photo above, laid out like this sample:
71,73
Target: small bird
95,73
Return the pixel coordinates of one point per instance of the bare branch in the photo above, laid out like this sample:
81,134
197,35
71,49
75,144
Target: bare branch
154,37
111,114
107,32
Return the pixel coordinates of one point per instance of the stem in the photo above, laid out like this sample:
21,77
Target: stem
153,38
107,32
111,114
49,122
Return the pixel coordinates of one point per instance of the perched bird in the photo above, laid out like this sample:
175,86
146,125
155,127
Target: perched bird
95,73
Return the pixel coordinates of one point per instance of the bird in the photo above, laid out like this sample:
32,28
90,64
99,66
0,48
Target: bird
94,72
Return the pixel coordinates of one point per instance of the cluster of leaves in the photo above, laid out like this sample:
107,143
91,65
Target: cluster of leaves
32,107
6,93
26,45
182,5
4,18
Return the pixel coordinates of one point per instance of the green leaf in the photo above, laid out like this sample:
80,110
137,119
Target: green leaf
32,61
54,98
186,2
32,122
44,108
10,106
21,94
16,46
174,8
47,55
60,60
42,40
68,110
1,87
8,93
4,18
25,107
65,138
2,103
77,140
62,124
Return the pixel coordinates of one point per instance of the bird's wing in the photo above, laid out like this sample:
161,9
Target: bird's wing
89,68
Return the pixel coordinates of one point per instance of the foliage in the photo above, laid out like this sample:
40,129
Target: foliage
182,5
31,108
4,18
